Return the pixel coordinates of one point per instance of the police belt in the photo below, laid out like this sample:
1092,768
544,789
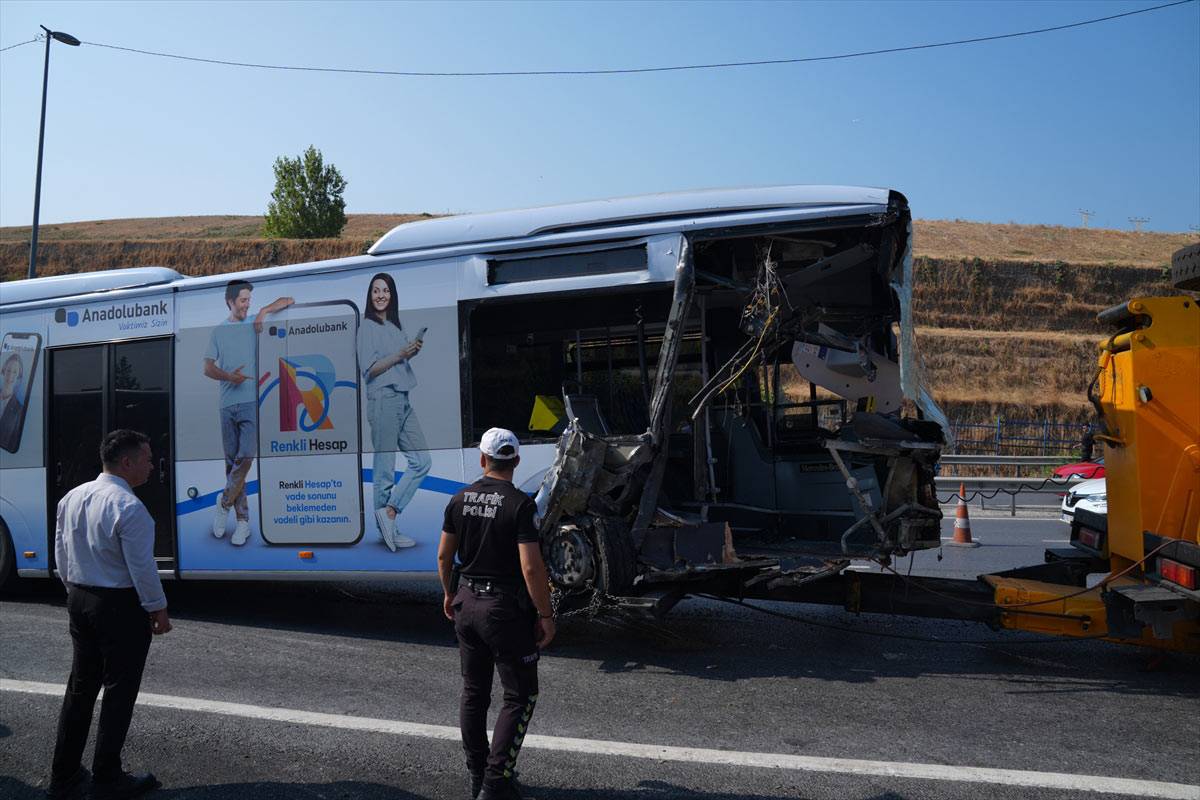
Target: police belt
493,585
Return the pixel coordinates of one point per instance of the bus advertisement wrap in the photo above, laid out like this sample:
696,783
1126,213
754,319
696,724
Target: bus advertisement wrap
98,322
308,406
304,423
19,353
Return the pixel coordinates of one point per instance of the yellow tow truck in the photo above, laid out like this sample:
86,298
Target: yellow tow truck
1147,395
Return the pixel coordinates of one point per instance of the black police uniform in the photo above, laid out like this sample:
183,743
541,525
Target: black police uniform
494,620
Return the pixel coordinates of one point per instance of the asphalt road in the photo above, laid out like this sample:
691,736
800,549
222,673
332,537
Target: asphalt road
379,660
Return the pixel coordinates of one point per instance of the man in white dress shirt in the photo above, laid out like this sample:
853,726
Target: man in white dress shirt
104,549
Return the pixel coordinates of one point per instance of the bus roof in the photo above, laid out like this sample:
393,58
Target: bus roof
684,209
503,225
52,286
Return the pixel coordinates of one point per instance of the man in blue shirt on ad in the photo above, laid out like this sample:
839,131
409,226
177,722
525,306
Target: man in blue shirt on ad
231,359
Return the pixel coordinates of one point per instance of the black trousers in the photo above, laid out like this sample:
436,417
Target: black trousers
495,634
111,635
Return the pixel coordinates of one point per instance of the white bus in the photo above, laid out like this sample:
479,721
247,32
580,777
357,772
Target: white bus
742,354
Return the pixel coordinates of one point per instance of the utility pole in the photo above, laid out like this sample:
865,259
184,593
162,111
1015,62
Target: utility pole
1086,215
1138,222
65,38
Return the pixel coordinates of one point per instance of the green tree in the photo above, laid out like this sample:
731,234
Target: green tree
307,201
126,379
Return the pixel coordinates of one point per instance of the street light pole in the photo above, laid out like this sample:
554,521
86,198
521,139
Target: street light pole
65,38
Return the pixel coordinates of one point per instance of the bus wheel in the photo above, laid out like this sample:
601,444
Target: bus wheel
594,552
616,556
570,558
9,582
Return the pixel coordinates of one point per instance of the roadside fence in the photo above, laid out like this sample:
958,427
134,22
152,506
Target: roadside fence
1015,437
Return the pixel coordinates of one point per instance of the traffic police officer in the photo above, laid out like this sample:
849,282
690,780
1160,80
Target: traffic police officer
501,610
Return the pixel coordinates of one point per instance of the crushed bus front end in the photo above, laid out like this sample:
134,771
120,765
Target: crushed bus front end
785,416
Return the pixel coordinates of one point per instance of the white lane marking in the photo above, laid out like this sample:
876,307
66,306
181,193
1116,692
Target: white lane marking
565,744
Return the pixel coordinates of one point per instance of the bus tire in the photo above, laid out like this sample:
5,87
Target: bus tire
616,556
1185,268
10,582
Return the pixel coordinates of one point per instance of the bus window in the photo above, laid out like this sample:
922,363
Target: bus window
601,346
561,265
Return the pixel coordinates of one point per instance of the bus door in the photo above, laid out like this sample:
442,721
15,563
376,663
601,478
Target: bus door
99,388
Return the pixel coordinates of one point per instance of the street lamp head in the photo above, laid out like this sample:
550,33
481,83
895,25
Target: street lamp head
59,36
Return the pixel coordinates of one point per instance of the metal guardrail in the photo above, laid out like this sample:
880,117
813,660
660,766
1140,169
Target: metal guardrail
1004,461
1010,486
1015,465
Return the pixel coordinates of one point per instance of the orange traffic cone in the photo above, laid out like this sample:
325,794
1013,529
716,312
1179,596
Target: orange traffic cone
962,522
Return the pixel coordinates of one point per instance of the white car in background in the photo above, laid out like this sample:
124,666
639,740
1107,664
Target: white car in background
1090,494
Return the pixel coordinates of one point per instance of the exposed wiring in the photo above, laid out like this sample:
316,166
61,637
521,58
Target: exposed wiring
761,303
887,634
639,70
908,582
1024,487
1102,584
750,358
700,400
763,296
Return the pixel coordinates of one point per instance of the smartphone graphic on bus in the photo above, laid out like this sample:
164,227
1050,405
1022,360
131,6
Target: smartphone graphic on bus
18,362
309,467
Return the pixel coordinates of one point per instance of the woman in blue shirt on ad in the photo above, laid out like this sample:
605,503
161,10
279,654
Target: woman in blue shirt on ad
385,356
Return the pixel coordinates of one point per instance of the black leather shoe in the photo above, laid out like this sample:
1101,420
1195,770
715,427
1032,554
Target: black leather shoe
476,785
501,790
124,787
69,789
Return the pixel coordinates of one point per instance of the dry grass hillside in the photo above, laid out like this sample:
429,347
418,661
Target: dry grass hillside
1005,313
1018,340
358,226
213,244
946,239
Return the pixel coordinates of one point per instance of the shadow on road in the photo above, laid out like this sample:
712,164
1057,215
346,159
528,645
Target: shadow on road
649,790
13,789
701,639
259,790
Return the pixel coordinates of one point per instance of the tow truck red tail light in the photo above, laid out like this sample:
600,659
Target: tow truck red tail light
1091,538
1177,573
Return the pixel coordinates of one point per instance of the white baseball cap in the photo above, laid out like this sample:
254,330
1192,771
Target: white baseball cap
496,440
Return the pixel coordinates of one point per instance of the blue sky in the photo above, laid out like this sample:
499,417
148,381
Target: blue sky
1105,117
